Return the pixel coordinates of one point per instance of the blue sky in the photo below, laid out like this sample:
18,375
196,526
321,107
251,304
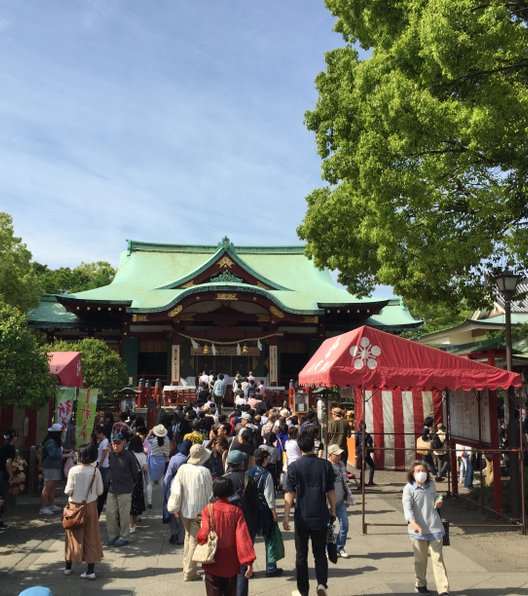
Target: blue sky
157,120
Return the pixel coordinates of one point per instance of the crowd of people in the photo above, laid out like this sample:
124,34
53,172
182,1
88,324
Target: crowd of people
227,470
239,461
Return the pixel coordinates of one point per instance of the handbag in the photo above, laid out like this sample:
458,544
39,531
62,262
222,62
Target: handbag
423,447
75,516
331,543
205,553
275,546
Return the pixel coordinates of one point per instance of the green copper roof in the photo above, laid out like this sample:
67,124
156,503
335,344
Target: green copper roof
149,273
49,312
395,314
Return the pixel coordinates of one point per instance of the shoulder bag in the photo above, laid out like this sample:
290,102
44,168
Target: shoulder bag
74,516
423,447
205,553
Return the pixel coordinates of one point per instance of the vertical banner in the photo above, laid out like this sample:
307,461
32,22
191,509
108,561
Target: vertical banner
86,407
273,365
64,400
175,364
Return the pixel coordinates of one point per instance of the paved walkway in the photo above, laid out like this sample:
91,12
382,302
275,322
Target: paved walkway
32,551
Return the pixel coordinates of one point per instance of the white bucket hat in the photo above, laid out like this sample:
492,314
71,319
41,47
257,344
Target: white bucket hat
159,430
198,455
55,428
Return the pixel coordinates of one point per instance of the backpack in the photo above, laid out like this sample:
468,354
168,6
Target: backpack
246,498
437,443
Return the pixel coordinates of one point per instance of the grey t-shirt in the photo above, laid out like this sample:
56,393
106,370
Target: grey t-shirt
338,483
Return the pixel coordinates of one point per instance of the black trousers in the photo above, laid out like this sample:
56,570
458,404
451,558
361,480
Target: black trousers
318,538
370,464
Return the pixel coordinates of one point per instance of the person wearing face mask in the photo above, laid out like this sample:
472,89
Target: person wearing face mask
420,507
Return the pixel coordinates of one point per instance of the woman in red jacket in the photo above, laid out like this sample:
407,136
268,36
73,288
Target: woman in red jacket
235,547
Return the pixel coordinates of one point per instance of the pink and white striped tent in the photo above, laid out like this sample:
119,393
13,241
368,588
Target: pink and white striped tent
395,418
400,382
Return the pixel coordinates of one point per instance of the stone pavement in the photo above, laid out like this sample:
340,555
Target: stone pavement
32,551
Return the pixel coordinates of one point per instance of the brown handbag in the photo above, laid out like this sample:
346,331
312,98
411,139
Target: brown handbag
423,447
75,516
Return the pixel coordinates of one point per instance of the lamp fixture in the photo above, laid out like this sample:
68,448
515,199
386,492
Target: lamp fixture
507,283
245,349
206,349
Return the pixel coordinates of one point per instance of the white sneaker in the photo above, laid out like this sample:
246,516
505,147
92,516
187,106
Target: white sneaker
45,511
53,508
343,554
67,572
321,590
133,529
87,575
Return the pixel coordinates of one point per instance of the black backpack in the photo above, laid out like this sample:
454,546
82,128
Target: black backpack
246,497
437,443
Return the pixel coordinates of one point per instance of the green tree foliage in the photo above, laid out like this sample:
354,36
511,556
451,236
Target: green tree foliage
435,317
24,370
18,283
85,276
102,367
424,147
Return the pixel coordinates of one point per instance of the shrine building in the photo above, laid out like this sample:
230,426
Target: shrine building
173,311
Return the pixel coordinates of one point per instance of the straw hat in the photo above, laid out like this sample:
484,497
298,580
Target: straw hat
159,430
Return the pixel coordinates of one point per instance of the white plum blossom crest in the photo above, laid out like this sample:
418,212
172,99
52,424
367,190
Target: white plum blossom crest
365,354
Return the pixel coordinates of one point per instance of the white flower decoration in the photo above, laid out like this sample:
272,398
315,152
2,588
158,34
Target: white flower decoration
365,354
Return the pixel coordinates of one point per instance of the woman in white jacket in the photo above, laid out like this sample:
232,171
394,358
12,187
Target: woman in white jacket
84,484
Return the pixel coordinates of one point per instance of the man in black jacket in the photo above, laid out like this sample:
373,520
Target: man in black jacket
124,470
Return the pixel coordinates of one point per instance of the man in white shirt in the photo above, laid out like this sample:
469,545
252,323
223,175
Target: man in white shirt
219,391
191,490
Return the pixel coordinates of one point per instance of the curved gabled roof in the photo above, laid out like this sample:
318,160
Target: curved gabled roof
152,277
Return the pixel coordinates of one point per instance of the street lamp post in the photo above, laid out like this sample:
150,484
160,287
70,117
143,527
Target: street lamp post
506,284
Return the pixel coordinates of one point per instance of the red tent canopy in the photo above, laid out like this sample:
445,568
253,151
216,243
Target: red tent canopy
367,358
67,367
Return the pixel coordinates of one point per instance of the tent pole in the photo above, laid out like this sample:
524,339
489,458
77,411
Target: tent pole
452,452
478,395
363,465
521,466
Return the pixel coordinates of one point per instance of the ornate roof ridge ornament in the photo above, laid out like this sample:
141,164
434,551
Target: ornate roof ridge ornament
226,243
227,276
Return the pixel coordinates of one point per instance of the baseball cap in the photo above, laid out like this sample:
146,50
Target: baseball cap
334,450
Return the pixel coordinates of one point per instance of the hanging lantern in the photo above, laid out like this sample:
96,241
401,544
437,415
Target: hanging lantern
206,350
245,349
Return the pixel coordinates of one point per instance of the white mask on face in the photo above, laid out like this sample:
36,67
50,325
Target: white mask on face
420,477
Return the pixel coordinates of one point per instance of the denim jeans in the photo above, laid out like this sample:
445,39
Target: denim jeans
342,516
